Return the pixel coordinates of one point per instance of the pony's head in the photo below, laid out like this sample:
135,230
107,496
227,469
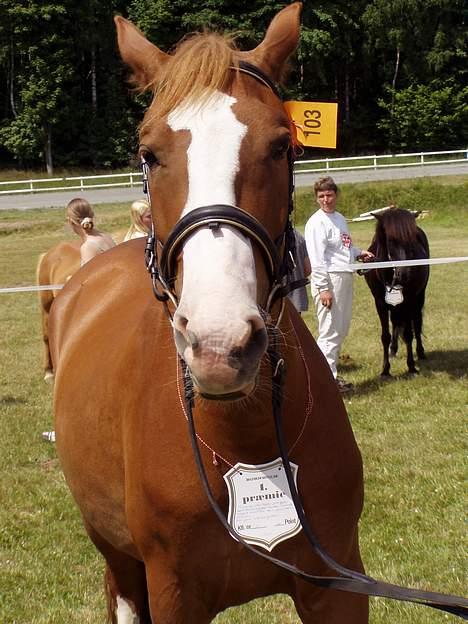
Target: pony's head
397,238
216,135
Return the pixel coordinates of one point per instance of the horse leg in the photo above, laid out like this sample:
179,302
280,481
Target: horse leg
385,337
173,601
417,324
394,342
327,606
46,300
408,338
125,584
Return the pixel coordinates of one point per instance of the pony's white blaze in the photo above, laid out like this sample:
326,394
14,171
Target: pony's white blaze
124,613
218,299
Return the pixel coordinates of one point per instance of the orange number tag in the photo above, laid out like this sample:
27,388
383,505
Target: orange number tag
315,122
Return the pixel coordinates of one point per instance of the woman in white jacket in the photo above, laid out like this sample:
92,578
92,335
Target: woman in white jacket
330,250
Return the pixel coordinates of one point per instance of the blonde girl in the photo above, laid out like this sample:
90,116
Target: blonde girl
140,214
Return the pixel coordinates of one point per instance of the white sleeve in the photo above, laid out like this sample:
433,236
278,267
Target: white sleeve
316,241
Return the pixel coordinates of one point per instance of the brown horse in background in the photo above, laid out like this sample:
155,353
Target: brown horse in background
54,267
214,137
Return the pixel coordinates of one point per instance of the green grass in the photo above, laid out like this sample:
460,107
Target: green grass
410,430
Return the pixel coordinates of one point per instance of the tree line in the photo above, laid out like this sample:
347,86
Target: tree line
398,69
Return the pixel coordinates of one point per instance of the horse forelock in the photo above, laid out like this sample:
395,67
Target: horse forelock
397,225
197,69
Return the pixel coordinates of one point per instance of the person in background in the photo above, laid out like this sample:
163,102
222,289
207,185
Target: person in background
330,250
140,213
302,270
80,216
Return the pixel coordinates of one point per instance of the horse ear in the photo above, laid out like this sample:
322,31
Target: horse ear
143,58
280,41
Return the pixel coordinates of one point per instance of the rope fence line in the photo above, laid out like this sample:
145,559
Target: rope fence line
356,266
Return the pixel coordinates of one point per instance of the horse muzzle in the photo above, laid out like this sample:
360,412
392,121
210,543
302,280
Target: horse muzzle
223,365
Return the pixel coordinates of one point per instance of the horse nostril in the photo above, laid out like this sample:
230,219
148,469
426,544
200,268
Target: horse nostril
251,352
234,358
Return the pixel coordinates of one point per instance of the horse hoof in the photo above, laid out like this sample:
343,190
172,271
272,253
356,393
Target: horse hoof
385,376
49,377
413,371
393,353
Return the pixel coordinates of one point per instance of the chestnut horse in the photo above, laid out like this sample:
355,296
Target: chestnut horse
399,292
54,267
214,136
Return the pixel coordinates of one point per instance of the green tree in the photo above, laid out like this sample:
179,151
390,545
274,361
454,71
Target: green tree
426,117
39,69
412,42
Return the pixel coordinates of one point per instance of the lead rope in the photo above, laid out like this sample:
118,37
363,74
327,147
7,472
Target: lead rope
351,581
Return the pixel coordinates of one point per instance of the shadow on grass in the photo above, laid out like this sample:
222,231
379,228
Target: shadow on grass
454,363
12,400
373,384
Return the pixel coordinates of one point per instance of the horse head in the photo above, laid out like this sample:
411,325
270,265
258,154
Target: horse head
397,238
215,142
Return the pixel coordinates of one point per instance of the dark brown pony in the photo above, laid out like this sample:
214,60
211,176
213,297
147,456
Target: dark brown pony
397,237
213,135
54,267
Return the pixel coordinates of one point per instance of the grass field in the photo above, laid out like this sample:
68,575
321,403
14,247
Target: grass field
411,431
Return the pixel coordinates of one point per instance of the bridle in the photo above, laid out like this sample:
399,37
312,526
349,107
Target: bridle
278,255
163,275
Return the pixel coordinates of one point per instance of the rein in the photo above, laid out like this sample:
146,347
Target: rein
350,580
163,276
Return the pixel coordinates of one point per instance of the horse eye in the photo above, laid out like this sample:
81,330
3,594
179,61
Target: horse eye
280,148
148,157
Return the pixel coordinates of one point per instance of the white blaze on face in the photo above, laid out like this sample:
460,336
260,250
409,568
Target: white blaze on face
219,285
124,613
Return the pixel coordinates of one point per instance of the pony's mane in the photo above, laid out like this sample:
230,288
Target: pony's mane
198,67
399,225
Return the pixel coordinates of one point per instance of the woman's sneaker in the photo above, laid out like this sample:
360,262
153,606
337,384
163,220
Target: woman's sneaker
344,386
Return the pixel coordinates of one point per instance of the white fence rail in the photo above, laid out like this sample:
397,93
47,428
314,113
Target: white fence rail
133,178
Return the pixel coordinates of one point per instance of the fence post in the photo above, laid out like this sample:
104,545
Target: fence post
375,162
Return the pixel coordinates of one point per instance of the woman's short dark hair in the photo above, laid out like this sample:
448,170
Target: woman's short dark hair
325,184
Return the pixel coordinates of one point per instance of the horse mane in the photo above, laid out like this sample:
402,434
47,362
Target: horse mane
197,68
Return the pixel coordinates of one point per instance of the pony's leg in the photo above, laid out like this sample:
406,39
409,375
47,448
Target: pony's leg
417,324
125,584
385,337
326,606
45,308
408,338
394,342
